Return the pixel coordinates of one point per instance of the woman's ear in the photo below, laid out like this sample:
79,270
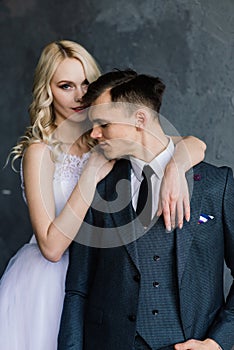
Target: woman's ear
140,119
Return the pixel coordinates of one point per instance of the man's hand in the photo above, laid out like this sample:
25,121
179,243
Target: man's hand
193,344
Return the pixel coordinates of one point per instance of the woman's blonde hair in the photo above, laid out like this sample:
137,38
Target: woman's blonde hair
41,111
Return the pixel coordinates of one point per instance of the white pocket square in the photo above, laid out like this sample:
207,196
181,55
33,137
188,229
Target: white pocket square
204,218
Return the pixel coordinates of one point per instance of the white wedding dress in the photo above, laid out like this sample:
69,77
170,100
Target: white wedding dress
32,288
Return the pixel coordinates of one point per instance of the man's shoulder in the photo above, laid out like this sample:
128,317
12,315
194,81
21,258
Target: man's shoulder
106,188
120,170
206,166
212,172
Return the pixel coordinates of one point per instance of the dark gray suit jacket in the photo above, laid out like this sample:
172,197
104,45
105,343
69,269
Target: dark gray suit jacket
102,288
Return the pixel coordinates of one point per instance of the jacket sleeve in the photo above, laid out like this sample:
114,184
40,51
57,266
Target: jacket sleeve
222,330
79,275
81,268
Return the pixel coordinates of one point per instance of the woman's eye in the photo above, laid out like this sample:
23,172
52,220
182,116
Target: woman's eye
65,86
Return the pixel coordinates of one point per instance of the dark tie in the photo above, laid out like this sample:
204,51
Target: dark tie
144,203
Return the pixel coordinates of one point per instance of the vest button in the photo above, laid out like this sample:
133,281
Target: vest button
156,257
154,312
137,278
156,284
132,318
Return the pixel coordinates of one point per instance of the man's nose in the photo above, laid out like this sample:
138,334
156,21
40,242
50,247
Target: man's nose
96,132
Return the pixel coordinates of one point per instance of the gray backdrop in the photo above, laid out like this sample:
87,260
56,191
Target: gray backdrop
188,43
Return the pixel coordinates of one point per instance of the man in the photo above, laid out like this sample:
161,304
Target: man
137,286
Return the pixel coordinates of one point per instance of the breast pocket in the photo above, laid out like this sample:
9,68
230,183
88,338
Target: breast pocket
206,219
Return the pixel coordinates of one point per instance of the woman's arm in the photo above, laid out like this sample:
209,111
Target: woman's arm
174,201
54,234
189,151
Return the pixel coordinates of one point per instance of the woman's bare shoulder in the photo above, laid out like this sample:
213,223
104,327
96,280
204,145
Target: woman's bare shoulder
36,151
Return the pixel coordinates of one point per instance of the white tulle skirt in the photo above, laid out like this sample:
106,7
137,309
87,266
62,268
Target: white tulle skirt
31,300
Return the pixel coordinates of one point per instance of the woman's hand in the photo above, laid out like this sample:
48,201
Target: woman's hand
98,166
96,169
192,344
174,202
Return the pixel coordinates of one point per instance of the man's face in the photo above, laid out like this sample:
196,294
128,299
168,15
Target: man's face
113,127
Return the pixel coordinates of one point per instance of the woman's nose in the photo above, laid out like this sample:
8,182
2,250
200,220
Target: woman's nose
79,93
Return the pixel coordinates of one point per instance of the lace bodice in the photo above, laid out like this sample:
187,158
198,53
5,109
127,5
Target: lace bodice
68,169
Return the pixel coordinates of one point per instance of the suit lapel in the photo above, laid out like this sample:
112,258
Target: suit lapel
184,237
121,211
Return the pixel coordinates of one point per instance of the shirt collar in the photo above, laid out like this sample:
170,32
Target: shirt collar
158,164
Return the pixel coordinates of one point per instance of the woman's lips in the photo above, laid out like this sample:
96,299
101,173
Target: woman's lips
78,109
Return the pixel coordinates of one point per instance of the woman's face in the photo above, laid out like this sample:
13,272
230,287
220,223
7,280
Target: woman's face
68,85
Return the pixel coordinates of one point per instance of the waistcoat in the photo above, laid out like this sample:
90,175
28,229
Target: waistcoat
158,317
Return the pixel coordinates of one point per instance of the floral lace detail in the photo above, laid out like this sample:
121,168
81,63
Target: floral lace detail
69,167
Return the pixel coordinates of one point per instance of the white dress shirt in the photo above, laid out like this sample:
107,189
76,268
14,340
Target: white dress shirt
158,164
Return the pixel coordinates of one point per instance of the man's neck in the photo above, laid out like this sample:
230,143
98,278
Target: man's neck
151,147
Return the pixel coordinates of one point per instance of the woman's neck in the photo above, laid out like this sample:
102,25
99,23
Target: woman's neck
70,134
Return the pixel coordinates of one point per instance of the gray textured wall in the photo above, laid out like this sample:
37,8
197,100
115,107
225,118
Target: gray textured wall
188,43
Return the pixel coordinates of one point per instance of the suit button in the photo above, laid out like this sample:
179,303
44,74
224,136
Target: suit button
156,257
132,318
137,278
156,284
154,312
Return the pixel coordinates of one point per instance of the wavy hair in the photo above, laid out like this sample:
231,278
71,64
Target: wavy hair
41,112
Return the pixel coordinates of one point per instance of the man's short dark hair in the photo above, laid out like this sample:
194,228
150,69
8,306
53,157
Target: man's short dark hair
127,86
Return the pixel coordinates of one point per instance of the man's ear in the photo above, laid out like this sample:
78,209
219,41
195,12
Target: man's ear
140,119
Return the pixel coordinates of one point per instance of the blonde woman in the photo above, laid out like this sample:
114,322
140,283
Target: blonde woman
55,154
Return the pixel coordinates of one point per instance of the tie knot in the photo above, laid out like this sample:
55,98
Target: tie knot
147,171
